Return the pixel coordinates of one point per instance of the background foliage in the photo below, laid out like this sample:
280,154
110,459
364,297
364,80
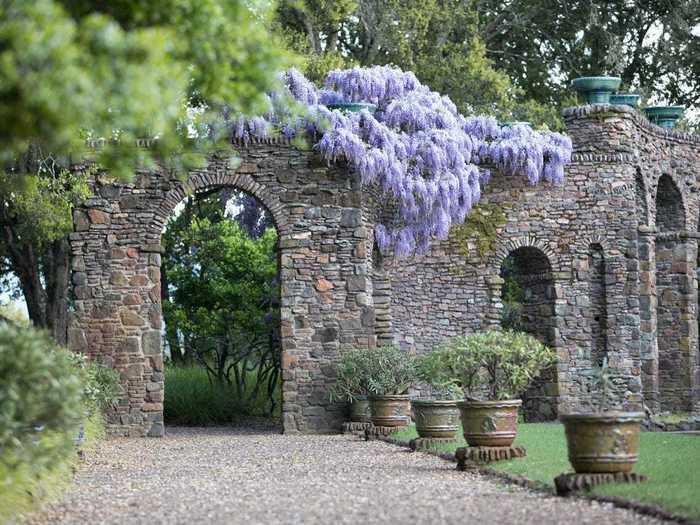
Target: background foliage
221,297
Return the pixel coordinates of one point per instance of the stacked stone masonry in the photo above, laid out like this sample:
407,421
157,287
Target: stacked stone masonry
607,259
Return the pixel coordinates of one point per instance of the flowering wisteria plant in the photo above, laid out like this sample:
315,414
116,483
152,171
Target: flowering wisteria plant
428,160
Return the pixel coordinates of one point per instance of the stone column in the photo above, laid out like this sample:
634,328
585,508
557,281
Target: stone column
648,349
676,256
492,320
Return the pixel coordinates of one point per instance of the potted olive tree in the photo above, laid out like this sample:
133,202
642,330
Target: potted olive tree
437,416
351,386
493,368
603,440
391,373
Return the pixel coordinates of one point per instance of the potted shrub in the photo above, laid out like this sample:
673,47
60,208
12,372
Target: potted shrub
603,441
352,373
596,90
391,372
492,368
437,417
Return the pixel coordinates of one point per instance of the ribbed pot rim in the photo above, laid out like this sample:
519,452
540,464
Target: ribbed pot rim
505,403
394,397
604,417
361,398
435,402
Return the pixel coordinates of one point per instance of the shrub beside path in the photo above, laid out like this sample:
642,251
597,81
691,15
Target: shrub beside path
229,476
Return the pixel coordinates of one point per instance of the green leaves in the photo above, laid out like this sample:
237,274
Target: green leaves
386,370
71,70
40,391
492,364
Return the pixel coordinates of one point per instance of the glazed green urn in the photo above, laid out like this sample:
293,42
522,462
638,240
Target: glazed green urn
596,90
352,107
664,116
436,419
606,442
625,99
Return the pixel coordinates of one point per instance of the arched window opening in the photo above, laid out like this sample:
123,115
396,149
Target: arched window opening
528,305
598,316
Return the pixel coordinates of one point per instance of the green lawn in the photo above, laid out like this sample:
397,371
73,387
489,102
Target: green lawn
671,461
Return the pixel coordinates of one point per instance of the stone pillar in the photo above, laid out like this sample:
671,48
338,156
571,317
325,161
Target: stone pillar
494,284
648,349
676,256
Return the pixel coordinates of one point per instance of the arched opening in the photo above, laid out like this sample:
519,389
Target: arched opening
528,305
598,308
640,200
220,299
671,289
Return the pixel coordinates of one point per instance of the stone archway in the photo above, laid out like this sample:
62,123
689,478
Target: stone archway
675,299
326,287
528,269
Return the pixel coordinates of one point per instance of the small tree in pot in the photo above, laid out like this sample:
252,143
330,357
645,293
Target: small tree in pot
493,368
437,416
351,386
604,440
391,373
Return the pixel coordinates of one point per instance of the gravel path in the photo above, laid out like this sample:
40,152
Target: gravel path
230,476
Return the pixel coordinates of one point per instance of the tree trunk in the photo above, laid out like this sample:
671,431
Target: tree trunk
171,338
56,275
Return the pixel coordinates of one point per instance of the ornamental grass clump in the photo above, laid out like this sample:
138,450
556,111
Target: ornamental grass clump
492,365
352,375
391,371
431,370
428,160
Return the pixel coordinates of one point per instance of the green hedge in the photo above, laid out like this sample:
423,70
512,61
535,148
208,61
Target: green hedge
46,393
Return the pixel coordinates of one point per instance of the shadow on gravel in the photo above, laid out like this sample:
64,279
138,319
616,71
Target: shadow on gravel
247,427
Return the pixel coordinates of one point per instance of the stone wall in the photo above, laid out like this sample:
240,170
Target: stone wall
597,231
325,275
610,256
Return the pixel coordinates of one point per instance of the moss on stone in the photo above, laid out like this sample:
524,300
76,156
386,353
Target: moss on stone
480,228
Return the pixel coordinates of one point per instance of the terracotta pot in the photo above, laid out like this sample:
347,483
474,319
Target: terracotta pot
606,442
436,419
390,411
489,423
359,410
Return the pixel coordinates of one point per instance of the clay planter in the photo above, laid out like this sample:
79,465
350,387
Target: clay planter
359,410
352,107
596,90
489,423
664,116
436,419
390,411
625,99
603,443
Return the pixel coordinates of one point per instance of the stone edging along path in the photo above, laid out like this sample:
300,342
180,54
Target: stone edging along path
641,508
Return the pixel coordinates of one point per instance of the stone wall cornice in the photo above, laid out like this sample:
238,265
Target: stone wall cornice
636,116
608,158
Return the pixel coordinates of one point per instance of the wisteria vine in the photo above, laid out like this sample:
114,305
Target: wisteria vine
428,160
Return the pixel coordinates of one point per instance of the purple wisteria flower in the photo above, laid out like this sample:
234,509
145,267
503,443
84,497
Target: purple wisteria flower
427,159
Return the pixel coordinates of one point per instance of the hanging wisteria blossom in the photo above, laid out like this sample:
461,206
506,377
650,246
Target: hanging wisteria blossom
429,161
